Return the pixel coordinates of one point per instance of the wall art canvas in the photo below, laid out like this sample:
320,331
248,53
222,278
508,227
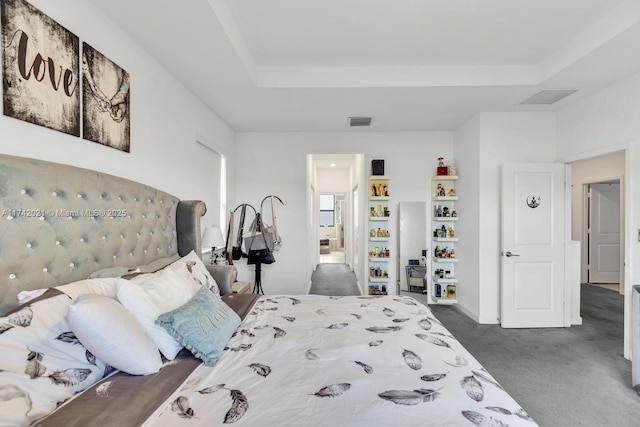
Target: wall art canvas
105,100
40,68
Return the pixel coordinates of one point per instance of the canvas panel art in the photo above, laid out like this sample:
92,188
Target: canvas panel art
40,71
105,100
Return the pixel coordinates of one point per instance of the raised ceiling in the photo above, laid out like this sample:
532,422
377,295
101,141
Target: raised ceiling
301,65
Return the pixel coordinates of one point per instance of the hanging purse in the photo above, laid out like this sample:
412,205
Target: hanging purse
236,252
257,237
273,229
229,248
259,244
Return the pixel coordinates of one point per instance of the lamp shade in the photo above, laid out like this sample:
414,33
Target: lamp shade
212,238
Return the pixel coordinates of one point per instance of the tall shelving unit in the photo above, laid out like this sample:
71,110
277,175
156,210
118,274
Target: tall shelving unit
379,235
444,283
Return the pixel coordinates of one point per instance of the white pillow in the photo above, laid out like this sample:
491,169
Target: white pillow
191,268
105,286
113,335
152,295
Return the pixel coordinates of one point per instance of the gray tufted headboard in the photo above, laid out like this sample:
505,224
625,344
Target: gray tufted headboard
60,223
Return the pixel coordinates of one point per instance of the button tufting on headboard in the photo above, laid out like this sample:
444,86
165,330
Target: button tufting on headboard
60,223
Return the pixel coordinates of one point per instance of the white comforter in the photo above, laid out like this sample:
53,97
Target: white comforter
342,361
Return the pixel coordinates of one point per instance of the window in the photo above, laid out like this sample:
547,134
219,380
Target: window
327,210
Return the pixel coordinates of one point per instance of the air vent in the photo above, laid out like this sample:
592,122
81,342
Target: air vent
359,121
548,97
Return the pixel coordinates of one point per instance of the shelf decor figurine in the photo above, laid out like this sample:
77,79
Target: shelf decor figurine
442,169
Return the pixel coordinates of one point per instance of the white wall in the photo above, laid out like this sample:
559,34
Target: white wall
166,120
467,158
603,123
276,163
503,138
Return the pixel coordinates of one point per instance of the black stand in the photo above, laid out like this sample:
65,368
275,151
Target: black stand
257,287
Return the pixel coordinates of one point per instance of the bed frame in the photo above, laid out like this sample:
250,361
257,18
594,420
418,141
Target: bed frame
59,224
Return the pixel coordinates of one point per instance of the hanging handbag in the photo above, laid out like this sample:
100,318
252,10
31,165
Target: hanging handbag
273,229
257,237
229,247
236,252
259,244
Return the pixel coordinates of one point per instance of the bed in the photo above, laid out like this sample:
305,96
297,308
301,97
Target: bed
253,360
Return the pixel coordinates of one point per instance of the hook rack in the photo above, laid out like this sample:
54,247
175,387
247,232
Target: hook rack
272,195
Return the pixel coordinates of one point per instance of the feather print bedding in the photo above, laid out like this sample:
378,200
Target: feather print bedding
342,361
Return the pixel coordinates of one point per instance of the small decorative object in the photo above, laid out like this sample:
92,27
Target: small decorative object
443,231
377,167
445,211
212,238
386,252
372,272
452,169
447,274
440,211
454,214
452,192
372,233
442,169
452,253
440,190
386,211
380,211
379,232
533,201
438,290
382,252
373,192
451,291
385,274
451,232
372,211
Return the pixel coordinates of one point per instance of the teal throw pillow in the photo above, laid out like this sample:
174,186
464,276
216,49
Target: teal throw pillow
203,325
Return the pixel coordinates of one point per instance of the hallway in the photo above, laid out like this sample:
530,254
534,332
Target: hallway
333,280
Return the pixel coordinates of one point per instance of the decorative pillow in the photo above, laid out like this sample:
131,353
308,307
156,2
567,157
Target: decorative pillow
148,296
42,363
192,268
203,325
158,264
113,335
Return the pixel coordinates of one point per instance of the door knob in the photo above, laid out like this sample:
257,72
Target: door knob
509,254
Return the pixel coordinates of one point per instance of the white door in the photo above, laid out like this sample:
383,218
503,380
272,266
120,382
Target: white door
533,289
604,236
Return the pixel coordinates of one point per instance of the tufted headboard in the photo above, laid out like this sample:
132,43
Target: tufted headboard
60,223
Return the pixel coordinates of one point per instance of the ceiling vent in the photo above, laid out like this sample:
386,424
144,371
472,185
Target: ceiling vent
359,121
548,97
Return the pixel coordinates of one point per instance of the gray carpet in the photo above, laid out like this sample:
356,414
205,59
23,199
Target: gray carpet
561,376
333,280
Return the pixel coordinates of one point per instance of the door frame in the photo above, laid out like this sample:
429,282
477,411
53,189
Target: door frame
627,261
584,258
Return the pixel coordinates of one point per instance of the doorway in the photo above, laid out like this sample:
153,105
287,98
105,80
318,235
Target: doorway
337,176
598,219
588,170
332,228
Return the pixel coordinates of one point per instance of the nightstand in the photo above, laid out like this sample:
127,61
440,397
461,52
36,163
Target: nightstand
241,287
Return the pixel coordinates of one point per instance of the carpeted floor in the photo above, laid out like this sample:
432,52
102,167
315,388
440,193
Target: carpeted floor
333,280
563,377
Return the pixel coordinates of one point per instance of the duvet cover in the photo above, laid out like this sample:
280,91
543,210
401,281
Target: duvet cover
341,361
